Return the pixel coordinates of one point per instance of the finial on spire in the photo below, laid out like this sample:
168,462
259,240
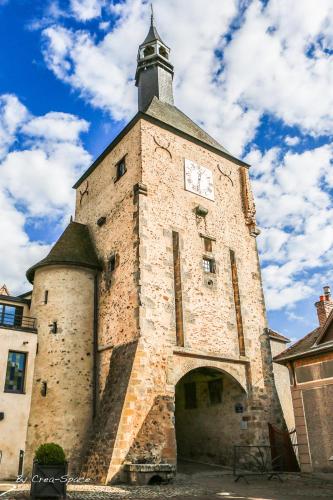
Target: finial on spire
152,18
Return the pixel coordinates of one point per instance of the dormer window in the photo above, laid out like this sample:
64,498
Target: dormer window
148,51
120,168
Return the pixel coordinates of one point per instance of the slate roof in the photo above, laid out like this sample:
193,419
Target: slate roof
300,347
74,247
152,36
177,119
166,116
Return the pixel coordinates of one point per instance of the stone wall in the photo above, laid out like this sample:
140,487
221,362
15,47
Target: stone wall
103,435
210,320
282,382
118,291
64,361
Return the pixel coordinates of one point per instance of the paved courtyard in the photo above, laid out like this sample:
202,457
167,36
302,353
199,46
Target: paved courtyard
203,482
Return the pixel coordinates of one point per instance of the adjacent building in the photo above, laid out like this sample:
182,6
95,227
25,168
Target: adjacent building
310,363
18,344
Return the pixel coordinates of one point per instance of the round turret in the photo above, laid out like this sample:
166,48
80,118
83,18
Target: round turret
63,301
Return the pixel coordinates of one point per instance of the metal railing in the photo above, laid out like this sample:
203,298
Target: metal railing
253,460
9,320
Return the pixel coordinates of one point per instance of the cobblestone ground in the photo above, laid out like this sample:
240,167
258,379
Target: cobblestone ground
204,483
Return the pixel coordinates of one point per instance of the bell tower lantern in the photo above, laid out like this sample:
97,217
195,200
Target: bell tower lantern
154,73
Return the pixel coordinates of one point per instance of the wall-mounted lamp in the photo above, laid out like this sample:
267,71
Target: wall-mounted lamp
201,211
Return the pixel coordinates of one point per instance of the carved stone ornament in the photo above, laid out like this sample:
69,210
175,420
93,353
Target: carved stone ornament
226,172
248,203
159,145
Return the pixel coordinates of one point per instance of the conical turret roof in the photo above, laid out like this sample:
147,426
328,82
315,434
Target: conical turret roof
73,248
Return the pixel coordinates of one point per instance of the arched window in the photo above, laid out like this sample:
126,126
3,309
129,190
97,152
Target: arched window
163,52
148,51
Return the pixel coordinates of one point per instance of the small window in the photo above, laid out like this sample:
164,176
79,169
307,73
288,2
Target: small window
54,327
121,168
46,296
208,244
190,395
208,265
15,374
215,391
112,263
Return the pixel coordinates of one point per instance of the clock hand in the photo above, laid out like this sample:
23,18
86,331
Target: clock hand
199,180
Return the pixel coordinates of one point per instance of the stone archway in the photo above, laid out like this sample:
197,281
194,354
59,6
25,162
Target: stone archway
206,421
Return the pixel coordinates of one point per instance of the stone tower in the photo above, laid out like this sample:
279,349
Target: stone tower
182,361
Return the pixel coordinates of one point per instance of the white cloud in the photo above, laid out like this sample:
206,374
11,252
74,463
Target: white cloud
295,212
12,115
84,10
36,175
18,253
75,59
292,140
56,126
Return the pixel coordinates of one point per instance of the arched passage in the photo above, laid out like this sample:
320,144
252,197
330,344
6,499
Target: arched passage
206,420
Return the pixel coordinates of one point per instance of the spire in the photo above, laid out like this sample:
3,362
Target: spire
154,71
153,34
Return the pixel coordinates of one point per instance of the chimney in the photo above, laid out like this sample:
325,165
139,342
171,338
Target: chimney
324,306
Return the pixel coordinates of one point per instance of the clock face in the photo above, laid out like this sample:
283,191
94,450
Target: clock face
199,180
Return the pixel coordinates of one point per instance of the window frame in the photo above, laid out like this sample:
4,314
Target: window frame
24,372
212,265
120,162
17,317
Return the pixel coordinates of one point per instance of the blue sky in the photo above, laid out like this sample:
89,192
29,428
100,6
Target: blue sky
255,74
